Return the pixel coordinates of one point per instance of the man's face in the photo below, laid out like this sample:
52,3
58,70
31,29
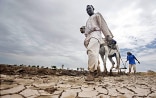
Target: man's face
90,10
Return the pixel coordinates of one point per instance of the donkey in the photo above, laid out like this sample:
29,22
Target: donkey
107,52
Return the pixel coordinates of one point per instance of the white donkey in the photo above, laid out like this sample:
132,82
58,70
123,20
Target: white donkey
107,52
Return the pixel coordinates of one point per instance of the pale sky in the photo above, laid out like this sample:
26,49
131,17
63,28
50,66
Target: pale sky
46,32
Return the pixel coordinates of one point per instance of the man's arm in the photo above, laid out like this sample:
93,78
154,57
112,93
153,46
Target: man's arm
103,26
127,59
136,59
117,48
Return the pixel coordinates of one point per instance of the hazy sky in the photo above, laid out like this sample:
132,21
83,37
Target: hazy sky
46,32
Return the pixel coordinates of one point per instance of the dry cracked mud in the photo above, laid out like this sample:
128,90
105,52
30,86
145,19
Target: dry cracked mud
52,86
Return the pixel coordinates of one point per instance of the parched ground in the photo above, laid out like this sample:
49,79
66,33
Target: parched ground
141,85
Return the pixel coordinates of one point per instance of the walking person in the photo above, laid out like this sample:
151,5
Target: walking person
94,26
131,58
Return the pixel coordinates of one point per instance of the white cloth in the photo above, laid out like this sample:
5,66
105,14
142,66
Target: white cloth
130,67
97,23
93,54
92,29
92,42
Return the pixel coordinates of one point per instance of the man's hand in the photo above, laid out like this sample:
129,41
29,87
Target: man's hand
82,29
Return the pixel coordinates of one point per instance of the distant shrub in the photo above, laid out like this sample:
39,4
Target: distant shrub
53,67
151,71
33,66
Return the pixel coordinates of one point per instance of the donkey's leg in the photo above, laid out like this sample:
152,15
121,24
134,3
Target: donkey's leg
104,54
118,57
118,61
113,63
104,62
103,57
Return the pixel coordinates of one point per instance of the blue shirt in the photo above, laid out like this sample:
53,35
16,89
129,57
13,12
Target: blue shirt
131,59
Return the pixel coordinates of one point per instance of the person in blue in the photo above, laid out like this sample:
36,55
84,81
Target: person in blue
131,58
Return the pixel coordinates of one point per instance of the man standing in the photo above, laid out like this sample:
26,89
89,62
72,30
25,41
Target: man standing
131,58
94,26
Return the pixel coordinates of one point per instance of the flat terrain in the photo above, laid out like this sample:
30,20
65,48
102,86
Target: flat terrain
141,85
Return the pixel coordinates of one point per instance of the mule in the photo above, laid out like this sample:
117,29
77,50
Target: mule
107,52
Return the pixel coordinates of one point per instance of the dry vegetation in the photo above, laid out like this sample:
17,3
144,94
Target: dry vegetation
36,70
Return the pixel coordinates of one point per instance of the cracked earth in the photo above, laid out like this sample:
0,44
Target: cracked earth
52,86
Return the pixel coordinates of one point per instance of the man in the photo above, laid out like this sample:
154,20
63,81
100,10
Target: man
131,58
94,26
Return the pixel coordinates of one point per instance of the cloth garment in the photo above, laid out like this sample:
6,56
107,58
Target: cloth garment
94,26
98,24
130,67
131,59
93,54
